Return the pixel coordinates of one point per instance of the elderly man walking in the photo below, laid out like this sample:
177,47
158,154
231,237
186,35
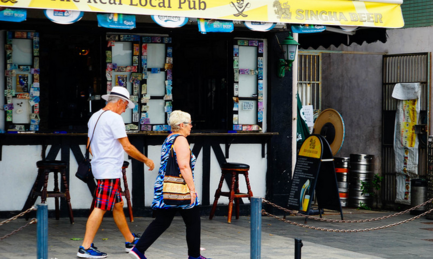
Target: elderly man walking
108,142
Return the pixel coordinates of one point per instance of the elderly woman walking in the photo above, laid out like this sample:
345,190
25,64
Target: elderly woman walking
180,123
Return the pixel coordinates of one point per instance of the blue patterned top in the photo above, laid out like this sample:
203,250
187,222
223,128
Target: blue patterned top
158,201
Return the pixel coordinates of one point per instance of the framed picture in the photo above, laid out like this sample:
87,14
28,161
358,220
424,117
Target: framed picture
22,83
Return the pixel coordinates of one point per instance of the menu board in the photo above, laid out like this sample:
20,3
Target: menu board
305,175
314,171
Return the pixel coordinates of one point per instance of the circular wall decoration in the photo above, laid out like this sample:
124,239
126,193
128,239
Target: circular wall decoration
63,16
170,21
330,125
259,26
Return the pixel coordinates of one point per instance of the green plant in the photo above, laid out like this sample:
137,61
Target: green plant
363,206
372,188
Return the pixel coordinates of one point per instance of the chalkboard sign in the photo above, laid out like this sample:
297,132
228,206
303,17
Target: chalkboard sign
314,171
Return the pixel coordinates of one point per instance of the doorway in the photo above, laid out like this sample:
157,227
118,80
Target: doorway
71,63
202,81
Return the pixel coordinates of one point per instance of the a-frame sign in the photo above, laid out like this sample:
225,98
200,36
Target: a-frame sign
314,171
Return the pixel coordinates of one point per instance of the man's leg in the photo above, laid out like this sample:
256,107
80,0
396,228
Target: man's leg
120,220
92,226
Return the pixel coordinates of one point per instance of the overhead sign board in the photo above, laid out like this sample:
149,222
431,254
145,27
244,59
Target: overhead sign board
116,21
259,26
308,28
63,16
322,12
170,21
205,26
13,15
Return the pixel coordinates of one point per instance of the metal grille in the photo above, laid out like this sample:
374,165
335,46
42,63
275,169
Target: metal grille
407,68
310,79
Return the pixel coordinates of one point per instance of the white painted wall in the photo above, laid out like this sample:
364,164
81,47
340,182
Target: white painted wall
18,173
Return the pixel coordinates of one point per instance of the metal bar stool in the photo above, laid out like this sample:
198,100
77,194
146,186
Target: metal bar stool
125,192
44,169
233,194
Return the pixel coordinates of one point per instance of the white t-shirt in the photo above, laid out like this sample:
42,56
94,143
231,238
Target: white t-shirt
108,153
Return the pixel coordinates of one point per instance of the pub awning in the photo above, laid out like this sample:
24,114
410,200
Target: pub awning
374,13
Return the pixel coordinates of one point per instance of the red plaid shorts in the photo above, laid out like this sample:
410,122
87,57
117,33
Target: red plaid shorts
107,193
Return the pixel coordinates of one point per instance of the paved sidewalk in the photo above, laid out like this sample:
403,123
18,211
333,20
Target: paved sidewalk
222,240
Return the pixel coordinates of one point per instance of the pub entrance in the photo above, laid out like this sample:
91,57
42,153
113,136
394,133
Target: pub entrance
73,62
203,80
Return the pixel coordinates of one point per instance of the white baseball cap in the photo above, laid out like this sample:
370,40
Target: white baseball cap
121,92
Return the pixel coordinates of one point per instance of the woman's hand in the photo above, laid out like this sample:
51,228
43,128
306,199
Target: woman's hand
193,197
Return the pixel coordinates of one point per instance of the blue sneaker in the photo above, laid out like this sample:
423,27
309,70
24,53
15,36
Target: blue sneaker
92,252
135,254
200,257
130,245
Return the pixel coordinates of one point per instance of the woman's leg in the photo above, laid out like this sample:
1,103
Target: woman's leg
191,217
163,219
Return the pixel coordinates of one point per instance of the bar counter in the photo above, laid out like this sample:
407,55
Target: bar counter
67,142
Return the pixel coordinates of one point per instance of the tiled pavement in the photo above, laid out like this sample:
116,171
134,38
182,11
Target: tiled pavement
222,240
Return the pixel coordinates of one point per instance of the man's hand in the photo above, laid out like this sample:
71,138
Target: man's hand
150,164
134,153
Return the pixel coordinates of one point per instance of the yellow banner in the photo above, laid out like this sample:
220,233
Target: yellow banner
407,126
324,12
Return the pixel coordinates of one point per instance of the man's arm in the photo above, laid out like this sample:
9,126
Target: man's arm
87,146
133,152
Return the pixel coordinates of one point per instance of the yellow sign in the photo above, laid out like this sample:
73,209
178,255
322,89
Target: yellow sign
312,147
323,12
407,126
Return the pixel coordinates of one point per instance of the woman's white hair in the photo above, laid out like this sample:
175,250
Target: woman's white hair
177,117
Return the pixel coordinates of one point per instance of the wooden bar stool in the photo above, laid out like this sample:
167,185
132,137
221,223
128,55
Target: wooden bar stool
44,169
233,194
125,192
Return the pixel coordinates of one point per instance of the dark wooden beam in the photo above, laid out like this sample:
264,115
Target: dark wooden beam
138,193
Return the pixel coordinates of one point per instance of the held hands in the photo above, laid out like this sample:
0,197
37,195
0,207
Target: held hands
150,164
193,196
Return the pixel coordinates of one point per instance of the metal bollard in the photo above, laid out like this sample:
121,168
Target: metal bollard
42,231
256,228
298,245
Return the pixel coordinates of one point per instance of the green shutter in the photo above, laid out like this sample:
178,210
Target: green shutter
417,13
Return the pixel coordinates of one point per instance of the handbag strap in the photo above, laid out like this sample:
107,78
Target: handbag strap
93,133
172,154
